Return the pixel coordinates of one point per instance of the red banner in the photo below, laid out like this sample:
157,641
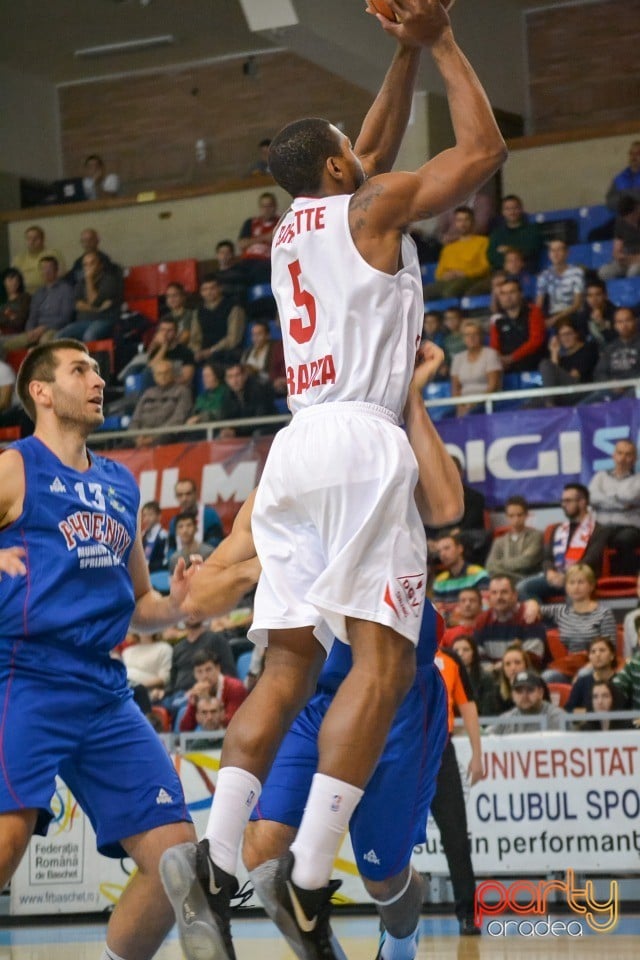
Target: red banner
225,472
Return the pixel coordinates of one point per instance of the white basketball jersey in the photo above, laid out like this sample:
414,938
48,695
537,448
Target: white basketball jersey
349,331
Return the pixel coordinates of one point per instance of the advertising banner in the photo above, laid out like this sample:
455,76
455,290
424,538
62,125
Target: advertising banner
549,802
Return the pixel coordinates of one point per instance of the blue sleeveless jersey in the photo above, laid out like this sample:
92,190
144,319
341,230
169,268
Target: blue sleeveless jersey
339,661
76,601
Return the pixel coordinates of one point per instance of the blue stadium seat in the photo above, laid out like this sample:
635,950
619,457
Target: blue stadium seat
160,581
601,253
259,291
590,218
580,255
428,271
567,224
280,403
480,302
133,383
242,665
114,422
275,330
438,390
529,379
624,292
442,304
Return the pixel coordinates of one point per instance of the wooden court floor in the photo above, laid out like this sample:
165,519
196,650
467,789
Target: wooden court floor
258,940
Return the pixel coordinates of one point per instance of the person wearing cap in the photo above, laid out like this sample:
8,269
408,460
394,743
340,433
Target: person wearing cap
527,690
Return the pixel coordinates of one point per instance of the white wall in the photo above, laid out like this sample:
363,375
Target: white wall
29,133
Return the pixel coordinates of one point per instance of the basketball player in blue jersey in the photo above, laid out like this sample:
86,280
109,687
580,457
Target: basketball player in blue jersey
73,577
404,779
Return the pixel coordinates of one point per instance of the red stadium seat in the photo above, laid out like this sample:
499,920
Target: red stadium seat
610,588
147,306
9,434
15,357
141,282
559,693
104,346
184,272
164,717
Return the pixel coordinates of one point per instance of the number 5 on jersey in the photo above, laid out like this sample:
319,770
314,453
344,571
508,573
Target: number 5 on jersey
302,328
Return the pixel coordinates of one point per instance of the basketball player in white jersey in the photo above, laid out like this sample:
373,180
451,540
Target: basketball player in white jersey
335,524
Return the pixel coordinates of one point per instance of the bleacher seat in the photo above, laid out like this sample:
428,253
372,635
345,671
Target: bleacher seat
275,330
164,717
580,255
558,224
442,304
510,381
612,588
260,302
480,302
428,271
242,665
559,693
184,272
280,404
624,292
590,218
147,306
438,390
9,434
15,357
601,253
140,282
113,422
529,379
104,347
133,382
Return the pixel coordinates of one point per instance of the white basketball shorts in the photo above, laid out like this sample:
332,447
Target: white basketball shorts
336,527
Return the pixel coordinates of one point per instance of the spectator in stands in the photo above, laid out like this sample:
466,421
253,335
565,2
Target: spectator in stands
518,552
570,361
97,301
528,691
197,639
472,528
578,539
477,369
185,317
482,685
606,697
247,397
628,680
457,573
514,232
615,497
595,320
167,403
626,242
483,206
433,328
166,345
620,359
97,182
261,164
208,405
209,715
517,331
90,243
603,661
560,288
208,523
7,383
255,238
148,663
452,319
463,616
627,181
514,660
631,628
154,536
264,359
505,622
514,269
15,312
211,681
28,262
51,309
221,322
231,271
463,267
579,620
185,528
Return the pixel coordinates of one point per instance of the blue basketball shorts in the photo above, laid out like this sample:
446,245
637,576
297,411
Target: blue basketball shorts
391,818
103,748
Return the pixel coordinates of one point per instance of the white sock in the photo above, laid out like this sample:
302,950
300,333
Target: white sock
326,817
237,792
405,949
110,955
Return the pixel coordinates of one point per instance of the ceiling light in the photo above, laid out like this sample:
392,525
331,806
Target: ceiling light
127,46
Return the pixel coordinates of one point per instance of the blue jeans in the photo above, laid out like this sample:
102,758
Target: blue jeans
86,330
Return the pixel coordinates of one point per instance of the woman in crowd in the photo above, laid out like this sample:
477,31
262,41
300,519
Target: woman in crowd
185,317
514,660
581,619
485,692
15,312
476,370
208,405
570,361
148,663
265,357
603,660
606,697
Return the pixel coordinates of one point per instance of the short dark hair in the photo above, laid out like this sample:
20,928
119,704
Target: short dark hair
504,576
94,156
40,364
176,286
268,195
185,515
225,243
516,501
512,196
204,656
48,258
463,208
151,505
626,205
475,590
580,487
298,154
190,480
597,282
265,142
13,272
211,278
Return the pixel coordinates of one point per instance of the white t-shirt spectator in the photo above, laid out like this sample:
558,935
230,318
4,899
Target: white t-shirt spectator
473,375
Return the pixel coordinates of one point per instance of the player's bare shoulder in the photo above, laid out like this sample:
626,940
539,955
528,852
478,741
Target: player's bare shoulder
12,486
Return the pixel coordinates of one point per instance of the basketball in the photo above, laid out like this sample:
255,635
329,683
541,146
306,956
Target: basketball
383,7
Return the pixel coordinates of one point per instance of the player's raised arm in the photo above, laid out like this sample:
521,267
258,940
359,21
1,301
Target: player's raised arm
388,203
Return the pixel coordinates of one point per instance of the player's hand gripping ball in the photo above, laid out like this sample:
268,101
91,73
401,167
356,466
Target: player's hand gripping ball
383,7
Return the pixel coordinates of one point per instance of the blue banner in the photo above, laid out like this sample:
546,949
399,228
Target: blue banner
533,453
